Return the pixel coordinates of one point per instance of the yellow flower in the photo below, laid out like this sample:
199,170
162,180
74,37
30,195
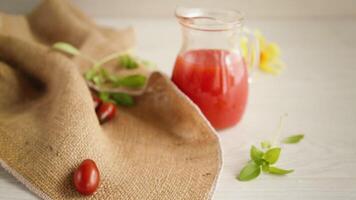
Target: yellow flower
269,54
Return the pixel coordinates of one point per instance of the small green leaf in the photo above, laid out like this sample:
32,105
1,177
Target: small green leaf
131,81
293,139
128,62
266,144
112,78
256,155
104,73
90,74
272,155
105,96
279,171
249,172
66,47
97,75
98,80
265,167
123,99
107,76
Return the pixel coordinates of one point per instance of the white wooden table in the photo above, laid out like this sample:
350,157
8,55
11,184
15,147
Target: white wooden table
317,90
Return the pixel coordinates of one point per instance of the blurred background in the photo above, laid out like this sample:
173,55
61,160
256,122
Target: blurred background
164,8
316,89
296,25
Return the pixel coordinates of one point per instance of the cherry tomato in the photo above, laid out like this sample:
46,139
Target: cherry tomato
106,112
97,102
86,178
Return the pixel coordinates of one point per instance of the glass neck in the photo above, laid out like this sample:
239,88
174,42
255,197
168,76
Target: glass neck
202,39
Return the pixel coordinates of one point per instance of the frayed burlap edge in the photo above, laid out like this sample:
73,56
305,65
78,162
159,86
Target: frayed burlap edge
180,93
23,180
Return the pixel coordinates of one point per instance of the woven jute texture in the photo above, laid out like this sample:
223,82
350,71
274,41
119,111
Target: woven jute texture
161,148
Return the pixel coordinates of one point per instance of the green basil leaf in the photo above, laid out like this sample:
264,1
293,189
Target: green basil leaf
279,171
293,139
98,80
265,167
104,73
128,62
66,47
272,155
112,78
104,96
266,144
123,99
108,76
90,74
132,81
249,172
256,155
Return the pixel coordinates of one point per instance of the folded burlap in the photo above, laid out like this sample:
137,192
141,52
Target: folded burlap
161,148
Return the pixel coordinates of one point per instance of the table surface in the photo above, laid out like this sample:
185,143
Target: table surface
317,90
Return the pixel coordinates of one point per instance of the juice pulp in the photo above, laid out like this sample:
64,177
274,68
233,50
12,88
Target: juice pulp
217,81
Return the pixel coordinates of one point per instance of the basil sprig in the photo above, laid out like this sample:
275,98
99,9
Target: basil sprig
99,76
102,76
263,160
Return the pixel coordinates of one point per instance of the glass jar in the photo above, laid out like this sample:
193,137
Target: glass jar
210,67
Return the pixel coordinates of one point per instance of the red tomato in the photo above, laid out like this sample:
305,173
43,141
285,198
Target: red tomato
106,112
86,178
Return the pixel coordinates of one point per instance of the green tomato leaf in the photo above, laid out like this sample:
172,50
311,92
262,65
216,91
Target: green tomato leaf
256,155
66,47
132,81
123,99
272,155
249,172
266,144
279,171
128,62
293,139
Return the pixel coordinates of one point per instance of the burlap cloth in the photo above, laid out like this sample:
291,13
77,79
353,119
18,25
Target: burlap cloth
161,148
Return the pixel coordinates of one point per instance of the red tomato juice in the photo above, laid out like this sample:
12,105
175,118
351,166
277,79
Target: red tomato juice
217,81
